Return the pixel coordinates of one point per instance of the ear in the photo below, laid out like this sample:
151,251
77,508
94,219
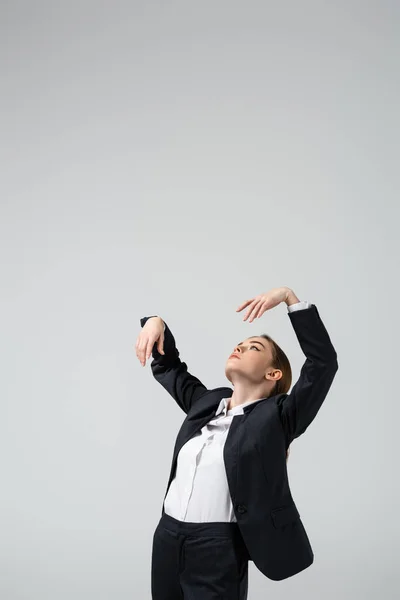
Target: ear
274,375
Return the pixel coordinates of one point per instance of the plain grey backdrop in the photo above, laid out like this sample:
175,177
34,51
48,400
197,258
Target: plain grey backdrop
177,158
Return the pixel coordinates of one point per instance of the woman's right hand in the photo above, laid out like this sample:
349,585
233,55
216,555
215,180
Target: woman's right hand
152,331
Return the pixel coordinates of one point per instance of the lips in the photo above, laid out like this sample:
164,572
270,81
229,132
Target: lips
234,356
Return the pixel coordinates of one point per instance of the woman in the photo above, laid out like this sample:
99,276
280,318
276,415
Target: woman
228,499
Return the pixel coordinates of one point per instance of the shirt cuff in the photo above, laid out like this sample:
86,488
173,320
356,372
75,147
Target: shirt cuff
299,306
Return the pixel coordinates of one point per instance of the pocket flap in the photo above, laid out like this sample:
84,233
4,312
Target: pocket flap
284,515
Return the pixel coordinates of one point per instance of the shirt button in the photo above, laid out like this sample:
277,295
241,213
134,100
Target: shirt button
241,508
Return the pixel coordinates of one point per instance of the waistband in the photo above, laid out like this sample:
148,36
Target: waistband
207,528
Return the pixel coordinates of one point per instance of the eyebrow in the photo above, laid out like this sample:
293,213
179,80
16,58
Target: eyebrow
253,342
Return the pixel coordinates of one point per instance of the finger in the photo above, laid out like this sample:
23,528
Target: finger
254,312
242,306
139,351
160,345
253,309
149,348
137,346
258,311
144,354
249,310
142,349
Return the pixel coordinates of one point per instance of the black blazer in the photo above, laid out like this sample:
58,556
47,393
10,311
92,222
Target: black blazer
257,441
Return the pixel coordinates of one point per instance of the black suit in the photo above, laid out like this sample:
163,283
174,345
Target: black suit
256,445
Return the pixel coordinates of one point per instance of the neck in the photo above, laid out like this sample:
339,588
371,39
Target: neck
244,392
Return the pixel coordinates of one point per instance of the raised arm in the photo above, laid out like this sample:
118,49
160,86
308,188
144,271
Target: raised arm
172,373
300,406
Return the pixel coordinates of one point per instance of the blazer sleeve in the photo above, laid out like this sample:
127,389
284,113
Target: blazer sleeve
173,374
298,408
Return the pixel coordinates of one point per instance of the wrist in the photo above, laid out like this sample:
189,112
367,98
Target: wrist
291,297
159,319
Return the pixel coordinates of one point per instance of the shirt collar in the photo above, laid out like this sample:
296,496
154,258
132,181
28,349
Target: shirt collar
236,410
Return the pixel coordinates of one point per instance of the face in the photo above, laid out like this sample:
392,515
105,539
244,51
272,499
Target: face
250,359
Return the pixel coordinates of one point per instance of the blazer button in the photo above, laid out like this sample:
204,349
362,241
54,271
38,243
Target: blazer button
241,508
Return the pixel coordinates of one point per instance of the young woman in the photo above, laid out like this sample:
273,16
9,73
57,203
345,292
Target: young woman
228,498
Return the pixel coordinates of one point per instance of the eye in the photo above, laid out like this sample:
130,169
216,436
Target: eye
255,347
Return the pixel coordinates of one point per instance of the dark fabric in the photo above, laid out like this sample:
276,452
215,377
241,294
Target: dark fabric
257,442
198,561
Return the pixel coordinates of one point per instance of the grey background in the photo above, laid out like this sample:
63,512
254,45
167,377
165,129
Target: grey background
177,158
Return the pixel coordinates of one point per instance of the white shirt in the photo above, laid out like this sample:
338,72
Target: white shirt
199,491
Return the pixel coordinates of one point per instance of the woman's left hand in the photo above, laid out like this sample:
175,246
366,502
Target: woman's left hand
259,304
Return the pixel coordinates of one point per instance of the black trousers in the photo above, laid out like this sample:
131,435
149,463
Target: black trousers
198,561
